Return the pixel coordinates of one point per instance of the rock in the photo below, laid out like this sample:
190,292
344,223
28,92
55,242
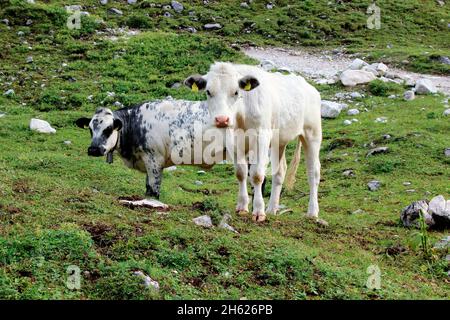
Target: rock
446,112
350,78
357,64
245,5
270,6
29,22
356,95
377,150
348,173
374,185
167,14
9,92
358,211
145,203
198,183
147,281
326,81
381,68
203,221
73,8
330,109
371,70
41,126
191,29
67,142
268,65
381,120
439,209
224,223
353,112
5,21
176,85
447,152
104,2
177,7
171,168
386,136
409,95
425,86
131,1
410,214
406,183
437,205
444,60
392,96
20,33
118,104
30,1
212,26
201,172
355,120
443,244
347,122
115,11
29,59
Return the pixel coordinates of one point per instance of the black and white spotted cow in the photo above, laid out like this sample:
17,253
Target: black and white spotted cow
148,137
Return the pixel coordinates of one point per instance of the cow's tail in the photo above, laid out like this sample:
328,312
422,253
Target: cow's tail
293,166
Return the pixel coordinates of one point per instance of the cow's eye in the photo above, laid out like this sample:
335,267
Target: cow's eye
107,132
208,93
236,93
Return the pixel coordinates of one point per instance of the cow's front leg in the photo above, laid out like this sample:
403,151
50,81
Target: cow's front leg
241,174
257,174
154,177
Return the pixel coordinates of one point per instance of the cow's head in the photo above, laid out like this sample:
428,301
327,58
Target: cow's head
224,87
104,131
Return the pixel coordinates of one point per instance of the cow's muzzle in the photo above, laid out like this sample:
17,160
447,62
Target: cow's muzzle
222,121
96,151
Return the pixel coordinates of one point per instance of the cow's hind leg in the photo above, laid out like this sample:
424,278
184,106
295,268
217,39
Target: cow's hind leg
278,163
311,143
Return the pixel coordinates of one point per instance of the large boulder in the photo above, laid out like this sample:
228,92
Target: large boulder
350,78
425,86
331,109
436,213
357,64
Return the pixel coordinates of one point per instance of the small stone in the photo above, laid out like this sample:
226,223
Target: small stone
377,150
392,96
201,172
268,65
270,6
409,95
406,183
374,185
115,11
446,112
348,173
410,214
29,59
353,112
5,21
171,168
2,115
357,64
73,8
387,136
331,109
350,78
147,281
358,211
381,120
29,22
212,26
444,60
224,223
177,7
9,92
20,33
67,142
131,1
198,183
118,104
203,221
104,2
191,29
347,122
245,5
356,95
41,126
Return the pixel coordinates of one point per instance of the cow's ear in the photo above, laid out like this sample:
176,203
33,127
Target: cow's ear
83,122
248,83
195,82
117,124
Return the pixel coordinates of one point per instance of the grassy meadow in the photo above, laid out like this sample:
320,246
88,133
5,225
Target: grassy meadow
59,207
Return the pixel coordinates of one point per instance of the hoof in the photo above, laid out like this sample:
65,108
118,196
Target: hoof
242,213
259,217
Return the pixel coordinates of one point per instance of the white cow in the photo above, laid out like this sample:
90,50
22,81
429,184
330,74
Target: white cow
280,108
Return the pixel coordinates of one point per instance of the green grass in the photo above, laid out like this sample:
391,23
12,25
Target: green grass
59,207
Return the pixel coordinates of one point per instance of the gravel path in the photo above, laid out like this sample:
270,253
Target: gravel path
315,65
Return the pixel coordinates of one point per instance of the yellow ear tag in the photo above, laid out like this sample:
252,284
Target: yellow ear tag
248,86
194,87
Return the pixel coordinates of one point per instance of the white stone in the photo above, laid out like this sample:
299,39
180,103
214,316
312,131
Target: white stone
352,112
381,68
356,95
9,92
357,64
203,221
350,78
381,120
374,185
177,7
446,112
41,126
224,223
409,95
146,203
171,168
73,8
148,282
268,65
437,205
330,109
347,122
425,86
67,142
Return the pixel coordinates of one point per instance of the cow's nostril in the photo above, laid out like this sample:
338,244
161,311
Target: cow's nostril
95,151
222,121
